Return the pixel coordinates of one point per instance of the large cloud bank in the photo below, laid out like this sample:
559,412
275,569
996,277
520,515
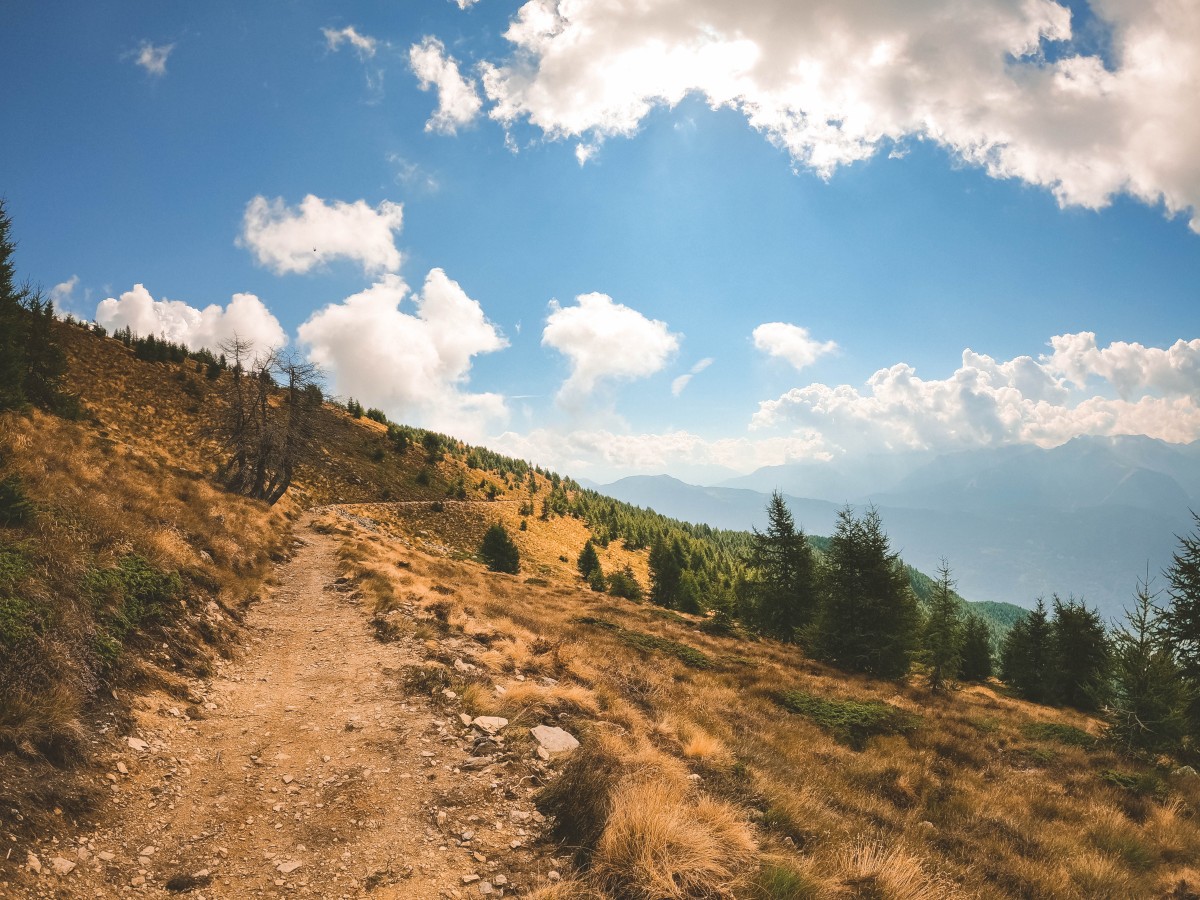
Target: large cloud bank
1078,388
244,317
413,366
1015,87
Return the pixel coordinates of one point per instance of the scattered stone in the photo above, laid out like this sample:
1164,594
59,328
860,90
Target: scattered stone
122,768
62,866
106,855
489,724
500,880
553,875
485,888
476,762
287,779
148,851
465,719
137,744
1184,772
33,864
693,777
287,868
470,879
137,880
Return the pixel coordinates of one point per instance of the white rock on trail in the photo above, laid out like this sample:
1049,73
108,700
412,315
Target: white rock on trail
62,866
137,744
489,724
553,740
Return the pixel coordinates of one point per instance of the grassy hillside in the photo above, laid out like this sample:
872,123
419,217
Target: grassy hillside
710,766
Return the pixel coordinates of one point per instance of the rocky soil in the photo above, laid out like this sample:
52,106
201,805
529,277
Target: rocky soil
311,765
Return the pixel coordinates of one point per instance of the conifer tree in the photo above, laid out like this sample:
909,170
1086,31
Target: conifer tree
1148,710
783,591
976,650
12,322
943,631
1182,617
1025,660
666,569
1079,675
589,560
499,552
868,617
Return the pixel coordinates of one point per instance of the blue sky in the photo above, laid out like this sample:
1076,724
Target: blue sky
945,177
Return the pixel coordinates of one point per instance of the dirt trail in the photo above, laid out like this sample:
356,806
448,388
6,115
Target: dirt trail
310,772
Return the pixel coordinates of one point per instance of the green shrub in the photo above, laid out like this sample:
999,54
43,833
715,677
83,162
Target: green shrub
779,881
20,620
651,643
1060,734
132,594
852,722
625,584
1143,784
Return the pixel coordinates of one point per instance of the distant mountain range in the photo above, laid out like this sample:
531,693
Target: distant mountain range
1015,523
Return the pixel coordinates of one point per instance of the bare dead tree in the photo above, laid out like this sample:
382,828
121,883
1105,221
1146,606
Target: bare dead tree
270,401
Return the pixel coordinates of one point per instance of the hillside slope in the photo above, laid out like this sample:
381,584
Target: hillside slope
353,621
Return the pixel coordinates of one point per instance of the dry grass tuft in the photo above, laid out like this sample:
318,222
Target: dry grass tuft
889,873
658,845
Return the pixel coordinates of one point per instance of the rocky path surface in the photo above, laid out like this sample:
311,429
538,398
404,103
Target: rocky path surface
304,768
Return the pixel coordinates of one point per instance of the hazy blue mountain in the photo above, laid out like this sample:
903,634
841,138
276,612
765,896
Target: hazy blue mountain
1015,523
721,507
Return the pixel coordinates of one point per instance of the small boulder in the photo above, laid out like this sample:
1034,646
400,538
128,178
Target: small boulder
61,865
553,740
33,864
137,744
489,724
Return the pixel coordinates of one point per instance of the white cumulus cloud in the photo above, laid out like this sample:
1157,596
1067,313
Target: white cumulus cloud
363,45
301,238
1045,401
414,366
458,100
1009,86
605,340
153,57
245,316
791,343
464,4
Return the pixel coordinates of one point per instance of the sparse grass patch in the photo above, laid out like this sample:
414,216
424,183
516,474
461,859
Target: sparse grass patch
853,722
780,878
1059,733
651,643
1141,784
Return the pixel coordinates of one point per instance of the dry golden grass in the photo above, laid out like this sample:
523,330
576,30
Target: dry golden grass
660,845
967,803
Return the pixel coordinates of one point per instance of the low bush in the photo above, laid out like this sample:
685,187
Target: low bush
852,722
